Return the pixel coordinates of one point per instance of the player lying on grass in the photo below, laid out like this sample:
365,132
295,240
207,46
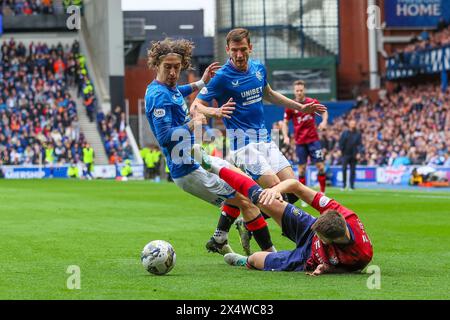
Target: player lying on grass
336,242
170,121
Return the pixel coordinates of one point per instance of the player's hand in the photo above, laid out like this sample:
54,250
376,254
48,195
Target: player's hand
321,269
322,126
268,196
210,72
286,140
312,107
226,110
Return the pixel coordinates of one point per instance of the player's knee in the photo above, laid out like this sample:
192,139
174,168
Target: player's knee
254,262
257,260
301,170
320,167
268,181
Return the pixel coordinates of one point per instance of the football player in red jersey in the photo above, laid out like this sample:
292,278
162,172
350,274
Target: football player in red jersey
335,242
306,137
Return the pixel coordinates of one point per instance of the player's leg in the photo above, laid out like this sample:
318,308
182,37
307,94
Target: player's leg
296,225
280,165
352,172
250,189
344,171
321,176
253,162
255,261
302,156
208,187
316,154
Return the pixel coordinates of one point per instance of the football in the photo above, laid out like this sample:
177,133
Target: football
158,257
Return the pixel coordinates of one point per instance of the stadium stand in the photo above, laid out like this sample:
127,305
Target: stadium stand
429,39
408,126
38,112
112,130
26,7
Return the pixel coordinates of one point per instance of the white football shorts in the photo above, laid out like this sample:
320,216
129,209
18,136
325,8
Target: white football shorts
206,185
257,159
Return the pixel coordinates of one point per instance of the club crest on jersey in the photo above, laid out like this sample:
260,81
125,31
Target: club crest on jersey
235,83
296,211
159,113
333,260
204,90
259,76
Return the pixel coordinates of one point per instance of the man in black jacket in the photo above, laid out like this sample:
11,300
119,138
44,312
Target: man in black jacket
350,144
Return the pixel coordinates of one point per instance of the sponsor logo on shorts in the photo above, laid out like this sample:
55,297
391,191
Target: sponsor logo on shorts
204,90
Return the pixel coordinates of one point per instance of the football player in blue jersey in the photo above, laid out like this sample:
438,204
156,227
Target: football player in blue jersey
170,121
244,81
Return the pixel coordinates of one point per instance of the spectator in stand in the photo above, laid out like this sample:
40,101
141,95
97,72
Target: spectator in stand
36,109
89,105
27,7
409,121
114,136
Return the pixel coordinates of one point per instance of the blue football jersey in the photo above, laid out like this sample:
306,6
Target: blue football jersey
247,90
168,115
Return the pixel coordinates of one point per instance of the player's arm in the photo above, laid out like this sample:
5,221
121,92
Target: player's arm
285,130
287,186
212,91
323,125
162,120
201,106
277,98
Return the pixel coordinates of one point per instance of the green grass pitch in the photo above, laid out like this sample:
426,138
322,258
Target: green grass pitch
101,226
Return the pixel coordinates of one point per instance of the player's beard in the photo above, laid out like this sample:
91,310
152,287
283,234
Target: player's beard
241,64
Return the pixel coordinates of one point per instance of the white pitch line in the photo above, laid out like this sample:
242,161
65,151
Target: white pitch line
404,194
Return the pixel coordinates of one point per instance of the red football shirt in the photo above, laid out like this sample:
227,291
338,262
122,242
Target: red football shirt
352,257
305,130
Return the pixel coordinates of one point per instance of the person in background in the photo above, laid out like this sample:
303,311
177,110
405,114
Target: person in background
350,144
127,170
88,160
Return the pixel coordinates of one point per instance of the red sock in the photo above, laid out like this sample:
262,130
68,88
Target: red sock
302,179
322,181
233,212
237,181
260,232
256,224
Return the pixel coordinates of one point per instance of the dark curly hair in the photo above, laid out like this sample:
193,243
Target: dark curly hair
160,49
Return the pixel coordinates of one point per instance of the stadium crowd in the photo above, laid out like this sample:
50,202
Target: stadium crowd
428,40
408,127
112,127
26,7
39,119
